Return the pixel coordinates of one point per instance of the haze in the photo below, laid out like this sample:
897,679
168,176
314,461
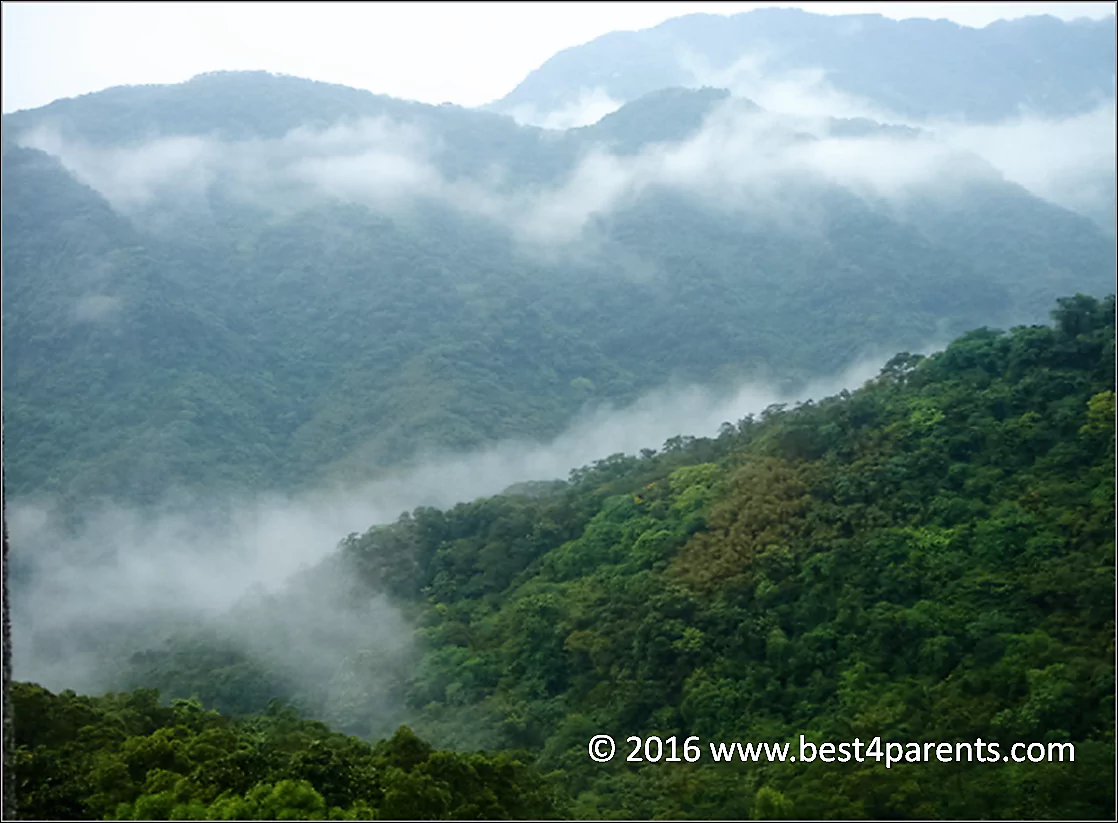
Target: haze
464,53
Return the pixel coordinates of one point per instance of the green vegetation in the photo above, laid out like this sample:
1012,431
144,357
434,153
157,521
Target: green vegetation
928,558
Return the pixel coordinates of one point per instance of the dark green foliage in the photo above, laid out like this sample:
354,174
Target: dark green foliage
126,757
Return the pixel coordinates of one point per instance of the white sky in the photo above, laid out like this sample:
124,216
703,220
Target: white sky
465,53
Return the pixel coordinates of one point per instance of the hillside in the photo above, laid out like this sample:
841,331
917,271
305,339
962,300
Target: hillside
927,558
251,281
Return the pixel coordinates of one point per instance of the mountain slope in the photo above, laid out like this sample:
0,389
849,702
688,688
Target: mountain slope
321,283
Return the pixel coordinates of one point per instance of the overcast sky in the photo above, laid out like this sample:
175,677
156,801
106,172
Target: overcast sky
465,53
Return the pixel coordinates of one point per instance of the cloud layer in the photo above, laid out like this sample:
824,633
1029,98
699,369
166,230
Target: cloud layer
740,158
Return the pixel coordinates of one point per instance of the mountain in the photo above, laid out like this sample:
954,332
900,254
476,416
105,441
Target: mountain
916,69
925,561
250,281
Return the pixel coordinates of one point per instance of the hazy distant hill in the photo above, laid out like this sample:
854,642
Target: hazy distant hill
250,280
914,68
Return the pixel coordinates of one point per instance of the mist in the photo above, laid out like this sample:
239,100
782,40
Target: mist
803,92
589,107
741,159
92,587
1068,161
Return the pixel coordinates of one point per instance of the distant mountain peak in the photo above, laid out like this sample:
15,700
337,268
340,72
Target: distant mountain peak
914,69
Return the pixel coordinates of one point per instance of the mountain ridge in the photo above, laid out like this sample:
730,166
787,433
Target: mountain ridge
627,64
432,248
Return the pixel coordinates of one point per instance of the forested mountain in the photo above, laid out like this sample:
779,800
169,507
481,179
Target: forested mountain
257,281
913,68
928,558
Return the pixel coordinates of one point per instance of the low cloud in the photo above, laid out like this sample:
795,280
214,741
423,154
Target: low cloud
1069,161
373,159
96,308
589,107
755,162
91,587
801,92
133,176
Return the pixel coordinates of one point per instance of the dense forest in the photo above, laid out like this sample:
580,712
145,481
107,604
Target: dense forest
927,558
126,757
